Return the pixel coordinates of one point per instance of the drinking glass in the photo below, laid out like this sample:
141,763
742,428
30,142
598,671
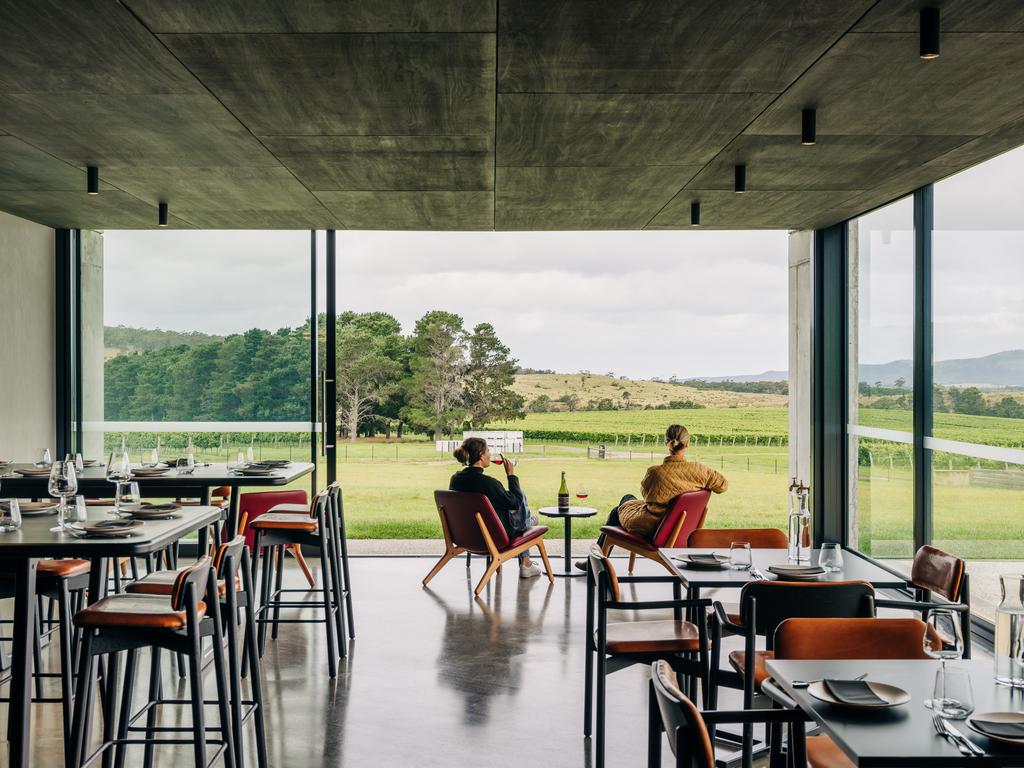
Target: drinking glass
47,459
81,513
119,468
739,556
10,516
249,455
582,493
79,462
127,495
831,558
63,484
238,463
186,466
154,458
944,640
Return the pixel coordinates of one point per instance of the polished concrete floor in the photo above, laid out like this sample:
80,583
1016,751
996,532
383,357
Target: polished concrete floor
434,678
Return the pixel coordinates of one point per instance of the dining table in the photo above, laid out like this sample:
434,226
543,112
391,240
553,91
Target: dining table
92,481
901,736
20,552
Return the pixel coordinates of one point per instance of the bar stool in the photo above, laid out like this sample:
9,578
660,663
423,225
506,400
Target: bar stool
64,582
130,622
339,564
233,568
276,530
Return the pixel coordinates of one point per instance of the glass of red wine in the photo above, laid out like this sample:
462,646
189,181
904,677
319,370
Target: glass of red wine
582,493
502,458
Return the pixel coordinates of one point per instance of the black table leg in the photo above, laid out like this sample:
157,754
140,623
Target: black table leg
97,591
567,558
233,511
19,726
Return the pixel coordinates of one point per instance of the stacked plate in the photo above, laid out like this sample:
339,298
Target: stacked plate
710,562
146,511
271,463
858,694
33,471
1007,727
797,572
37,508
150,471
256,471
104,529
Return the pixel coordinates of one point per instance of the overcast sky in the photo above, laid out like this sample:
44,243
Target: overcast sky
641,304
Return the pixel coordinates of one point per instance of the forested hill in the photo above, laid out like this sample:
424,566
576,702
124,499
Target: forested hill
123,339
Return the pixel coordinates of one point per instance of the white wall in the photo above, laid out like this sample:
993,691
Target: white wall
27,368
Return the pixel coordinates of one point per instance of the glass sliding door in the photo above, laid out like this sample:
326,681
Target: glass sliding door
881,394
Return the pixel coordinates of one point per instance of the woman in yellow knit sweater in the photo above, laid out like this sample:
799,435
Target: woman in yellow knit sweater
662,483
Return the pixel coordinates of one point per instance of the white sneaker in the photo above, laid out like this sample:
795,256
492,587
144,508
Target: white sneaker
529,571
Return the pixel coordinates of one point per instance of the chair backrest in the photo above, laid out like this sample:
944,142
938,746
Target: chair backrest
601,565
198,575
938,572
690,508
252,505
458,511
775,601
850,639
687,734
228,549
758,538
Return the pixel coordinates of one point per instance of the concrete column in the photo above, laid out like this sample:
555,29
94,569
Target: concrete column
800,312
27,355
852,385
92,343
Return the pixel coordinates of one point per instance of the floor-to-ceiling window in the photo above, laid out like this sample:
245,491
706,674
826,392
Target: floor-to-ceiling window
978,393
881,347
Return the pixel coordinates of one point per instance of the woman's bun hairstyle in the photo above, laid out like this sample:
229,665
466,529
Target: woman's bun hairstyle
470,451
677,437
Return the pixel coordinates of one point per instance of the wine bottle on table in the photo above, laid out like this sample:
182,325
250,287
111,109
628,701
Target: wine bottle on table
563,496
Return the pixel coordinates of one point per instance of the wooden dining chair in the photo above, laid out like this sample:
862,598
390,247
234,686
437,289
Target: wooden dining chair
763,606
685,514
840,638
470,524
757,538
617,645
937,573
671,712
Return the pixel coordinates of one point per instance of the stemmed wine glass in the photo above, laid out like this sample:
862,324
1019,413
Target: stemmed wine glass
119,470
944,641
582,493
63,484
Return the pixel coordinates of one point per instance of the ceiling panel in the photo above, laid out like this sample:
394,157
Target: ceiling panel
753,210
956,16
619,129
24,167
85,46
366,85
702,46
835,162
407,163
108,210
167,130
316,15
581,198
412,210
876,84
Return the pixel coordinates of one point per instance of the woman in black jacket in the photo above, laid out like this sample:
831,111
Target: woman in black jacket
510,505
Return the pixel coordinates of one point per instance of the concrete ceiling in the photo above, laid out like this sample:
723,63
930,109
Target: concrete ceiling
474,114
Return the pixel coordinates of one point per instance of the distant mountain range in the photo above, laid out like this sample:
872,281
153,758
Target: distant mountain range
1002,369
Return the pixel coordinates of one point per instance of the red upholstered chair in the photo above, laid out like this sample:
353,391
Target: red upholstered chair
470,524
252,505
684,516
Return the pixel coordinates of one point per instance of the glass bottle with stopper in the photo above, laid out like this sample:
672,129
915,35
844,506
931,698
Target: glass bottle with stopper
799,522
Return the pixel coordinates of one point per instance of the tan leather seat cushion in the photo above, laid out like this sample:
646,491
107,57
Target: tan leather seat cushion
652,637
738,661
162,583
288,521
822,752
136,611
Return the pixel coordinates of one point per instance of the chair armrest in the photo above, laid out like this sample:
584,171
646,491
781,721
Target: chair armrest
772,690
916,605
723,620
647,605
648,579
718,716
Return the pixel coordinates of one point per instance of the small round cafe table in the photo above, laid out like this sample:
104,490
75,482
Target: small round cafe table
568,516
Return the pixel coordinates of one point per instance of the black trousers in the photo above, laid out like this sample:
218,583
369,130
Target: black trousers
613,516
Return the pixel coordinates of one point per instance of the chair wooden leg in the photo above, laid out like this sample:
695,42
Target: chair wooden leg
632,562
544,557
492,568
445,558
296,551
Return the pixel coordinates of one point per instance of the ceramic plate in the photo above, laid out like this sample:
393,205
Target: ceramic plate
150,471
720,562
33,471
37,508
892,695
106,528
997,717
797,572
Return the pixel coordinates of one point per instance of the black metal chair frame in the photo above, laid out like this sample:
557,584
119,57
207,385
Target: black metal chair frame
598,605
923,604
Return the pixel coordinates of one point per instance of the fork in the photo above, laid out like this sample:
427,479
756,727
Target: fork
940,728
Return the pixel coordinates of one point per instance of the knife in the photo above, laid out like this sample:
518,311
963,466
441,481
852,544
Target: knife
959,736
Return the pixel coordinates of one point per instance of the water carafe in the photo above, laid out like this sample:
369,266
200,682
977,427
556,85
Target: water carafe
799,523
1009,634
